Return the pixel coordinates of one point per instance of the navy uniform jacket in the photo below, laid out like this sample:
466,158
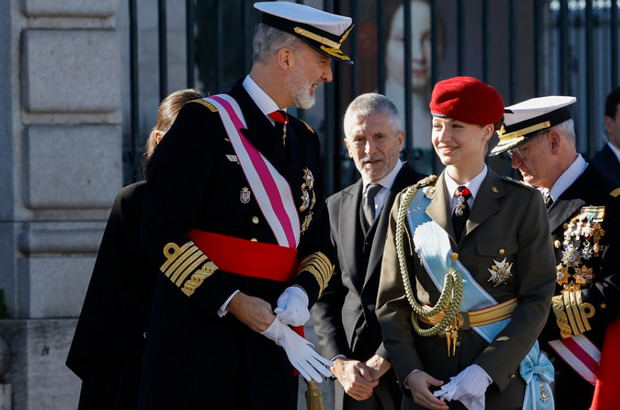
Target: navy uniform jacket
601,290
195,358
344,316
107,349
508,220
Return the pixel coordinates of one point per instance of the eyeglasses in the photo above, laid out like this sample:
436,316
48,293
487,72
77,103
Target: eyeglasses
522,149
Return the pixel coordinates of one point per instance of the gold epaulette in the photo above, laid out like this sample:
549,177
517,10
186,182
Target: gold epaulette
205,103
319,266
309,127
183,266
615,193
571,313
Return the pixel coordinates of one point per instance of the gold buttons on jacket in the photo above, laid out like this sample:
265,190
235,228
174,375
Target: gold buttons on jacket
454,256
557,244
255,220
502,251
254,240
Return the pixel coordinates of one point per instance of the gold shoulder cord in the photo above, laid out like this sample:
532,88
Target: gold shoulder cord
452,293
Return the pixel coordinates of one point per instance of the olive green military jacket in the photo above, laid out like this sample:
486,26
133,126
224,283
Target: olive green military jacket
507,220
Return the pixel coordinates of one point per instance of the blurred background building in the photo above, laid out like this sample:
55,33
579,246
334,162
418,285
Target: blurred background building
80,82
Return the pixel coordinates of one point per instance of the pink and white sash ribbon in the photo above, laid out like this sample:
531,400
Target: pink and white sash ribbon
271,190
580,354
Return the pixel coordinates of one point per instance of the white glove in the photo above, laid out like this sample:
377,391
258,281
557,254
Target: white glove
299,352
468,387
292,306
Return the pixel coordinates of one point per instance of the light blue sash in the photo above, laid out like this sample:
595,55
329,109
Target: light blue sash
432,245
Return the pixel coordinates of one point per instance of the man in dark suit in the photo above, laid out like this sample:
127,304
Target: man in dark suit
344,316
584,220
607,160
234,221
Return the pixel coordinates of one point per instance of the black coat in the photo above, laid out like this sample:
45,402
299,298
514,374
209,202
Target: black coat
344,316
603,293
195,359
607,162
107,349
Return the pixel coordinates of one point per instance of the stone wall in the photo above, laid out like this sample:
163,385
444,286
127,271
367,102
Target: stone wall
60,129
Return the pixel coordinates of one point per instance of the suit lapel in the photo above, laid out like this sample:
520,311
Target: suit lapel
350,229
486,202
403,179
439,208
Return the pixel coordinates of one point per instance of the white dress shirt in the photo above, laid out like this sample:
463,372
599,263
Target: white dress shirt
386,183
567,178
473,186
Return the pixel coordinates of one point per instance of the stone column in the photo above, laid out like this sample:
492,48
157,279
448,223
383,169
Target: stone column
60,168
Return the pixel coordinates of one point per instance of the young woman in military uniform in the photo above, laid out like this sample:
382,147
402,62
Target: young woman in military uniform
467,274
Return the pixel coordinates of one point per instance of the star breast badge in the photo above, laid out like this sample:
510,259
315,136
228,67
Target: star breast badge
500,272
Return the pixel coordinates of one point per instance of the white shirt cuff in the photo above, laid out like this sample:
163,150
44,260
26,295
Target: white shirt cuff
221,312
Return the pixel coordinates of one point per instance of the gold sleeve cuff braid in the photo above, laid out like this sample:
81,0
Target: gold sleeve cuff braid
571,313
183,268
319,266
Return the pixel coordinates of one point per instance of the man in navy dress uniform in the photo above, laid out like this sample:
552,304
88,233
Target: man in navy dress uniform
584,220
234,219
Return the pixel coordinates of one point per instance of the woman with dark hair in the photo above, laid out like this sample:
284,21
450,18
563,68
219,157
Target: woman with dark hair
109,340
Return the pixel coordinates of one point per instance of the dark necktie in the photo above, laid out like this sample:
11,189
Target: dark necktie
368,203
281,119
461,212
547,198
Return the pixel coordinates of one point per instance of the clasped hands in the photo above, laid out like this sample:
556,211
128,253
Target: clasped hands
292,309
358,379
469,387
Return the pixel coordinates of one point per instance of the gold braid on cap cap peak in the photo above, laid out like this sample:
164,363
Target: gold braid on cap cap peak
501,133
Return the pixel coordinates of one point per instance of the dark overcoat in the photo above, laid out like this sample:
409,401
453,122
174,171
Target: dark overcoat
108,345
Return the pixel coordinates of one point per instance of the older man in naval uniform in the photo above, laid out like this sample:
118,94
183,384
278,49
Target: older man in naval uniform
584,211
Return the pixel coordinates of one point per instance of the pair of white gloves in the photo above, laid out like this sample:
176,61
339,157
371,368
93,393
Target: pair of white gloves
292,310
469,387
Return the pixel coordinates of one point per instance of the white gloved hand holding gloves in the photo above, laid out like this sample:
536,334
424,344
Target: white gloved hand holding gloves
309,363
469,387
292,306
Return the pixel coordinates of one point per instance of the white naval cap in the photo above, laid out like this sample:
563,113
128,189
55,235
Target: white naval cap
323,31
523,120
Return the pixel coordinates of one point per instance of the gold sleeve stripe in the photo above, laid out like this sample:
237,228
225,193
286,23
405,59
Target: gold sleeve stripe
576,312
191,257
206,104
561,320
319,266
172,252
190,269
615,193
569,312
189,252
586,310
190,286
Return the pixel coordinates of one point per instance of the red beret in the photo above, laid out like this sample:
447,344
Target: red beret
467,99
